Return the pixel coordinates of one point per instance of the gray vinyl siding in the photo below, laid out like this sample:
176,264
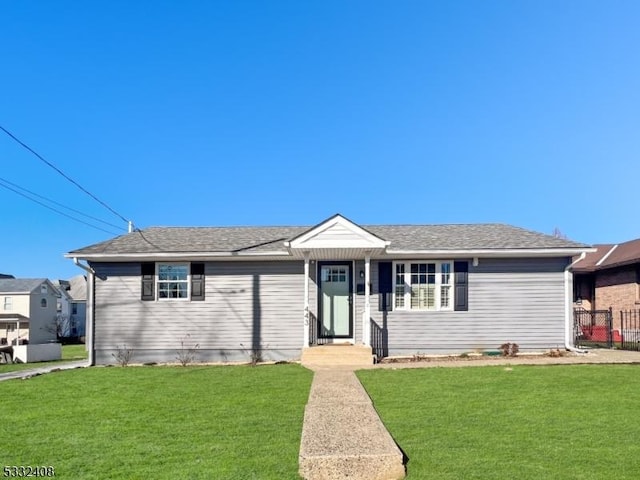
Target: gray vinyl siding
510,300
259,306
248,306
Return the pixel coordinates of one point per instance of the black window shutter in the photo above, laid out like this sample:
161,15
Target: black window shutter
197,281
461,279
385,286
148,271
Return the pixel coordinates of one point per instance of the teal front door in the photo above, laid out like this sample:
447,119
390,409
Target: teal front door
336,314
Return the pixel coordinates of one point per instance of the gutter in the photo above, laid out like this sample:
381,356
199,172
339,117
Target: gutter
568,337
494,253
90,323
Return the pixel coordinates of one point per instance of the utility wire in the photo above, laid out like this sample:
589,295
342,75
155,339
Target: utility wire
62,173
56,210
4,180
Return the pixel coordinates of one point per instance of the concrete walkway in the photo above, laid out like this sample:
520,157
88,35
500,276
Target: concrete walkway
33,372
342,435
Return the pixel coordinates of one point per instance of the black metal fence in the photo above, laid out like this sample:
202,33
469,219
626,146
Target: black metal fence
593,328
630,328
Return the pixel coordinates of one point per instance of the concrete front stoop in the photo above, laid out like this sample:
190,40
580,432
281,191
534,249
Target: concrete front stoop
343,436
337,355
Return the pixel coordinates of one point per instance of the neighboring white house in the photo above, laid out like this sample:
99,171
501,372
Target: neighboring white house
28,309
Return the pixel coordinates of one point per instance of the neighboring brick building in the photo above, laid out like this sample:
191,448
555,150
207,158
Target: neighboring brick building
609,278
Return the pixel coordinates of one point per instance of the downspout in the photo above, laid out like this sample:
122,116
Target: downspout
568,327
89,337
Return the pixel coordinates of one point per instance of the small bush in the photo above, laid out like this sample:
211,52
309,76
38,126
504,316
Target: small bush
186,354
255,354
509,349
123,355
556,353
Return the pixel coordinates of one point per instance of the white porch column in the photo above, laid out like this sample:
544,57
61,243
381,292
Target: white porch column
305,342
366,321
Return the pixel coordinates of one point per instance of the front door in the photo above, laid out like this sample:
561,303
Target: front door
336,315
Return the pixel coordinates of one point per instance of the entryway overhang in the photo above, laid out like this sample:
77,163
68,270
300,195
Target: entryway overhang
337,238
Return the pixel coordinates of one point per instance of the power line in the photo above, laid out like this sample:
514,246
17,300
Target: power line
58,203
56,210
62,173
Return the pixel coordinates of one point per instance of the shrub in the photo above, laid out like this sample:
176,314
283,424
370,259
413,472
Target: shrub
186,354
509,349
255,354
123,355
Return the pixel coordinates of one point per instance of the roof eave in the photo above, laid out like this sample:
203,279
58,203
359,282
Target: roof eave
487,252
113,257
285,255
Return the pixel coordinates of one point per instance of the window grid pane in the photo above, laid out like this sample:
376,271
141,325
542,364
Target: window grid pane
428,285
399,292
173,281
445,296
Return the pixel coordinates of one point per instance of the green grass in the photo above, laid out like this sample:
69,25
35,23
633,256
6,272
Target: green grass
194,422
74,352
569,422
69,353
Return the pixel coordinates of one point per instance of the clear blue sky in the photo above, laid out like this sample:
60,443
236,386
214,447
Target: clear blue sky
286,112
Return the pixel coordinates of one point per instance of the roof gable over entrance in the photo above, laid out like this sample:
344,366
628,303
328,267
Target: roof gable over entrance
337,232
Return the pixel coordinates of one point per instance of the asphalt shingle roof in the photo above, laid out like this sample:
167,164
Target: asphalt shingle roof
623,254
271,239
19,285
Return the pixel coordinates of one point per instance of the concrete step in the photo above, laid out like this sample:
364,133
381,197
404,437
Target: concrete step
337,355
342,436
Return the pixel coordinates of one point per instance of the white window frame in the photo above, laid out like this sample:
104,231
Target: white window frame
406,305
8,304
159,282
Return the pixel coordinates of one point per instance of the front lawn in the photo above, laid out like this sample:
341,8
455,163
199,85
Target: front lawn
569,422
74,352
206,422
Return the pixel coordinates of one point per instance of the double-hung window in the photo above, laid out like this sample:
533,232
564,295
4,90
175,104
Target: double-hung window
173,280
8,303
423,285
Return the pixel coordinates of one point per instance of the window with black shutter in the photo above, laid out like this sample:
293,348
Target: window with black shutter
197,281
148,272
385,286
461,296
